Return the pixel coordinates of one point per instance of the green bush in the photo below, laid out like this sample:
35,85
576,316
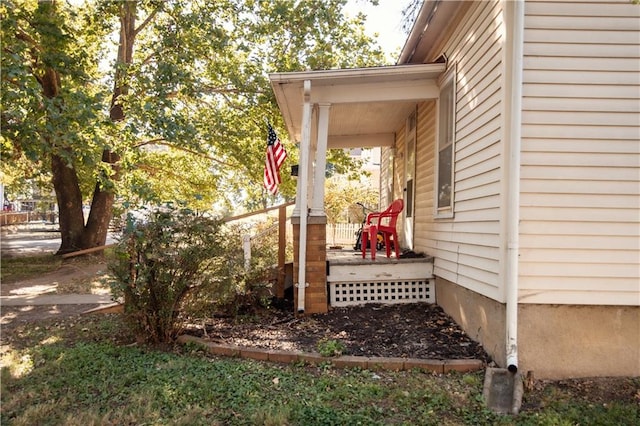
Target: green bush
177,265
235,289
158,262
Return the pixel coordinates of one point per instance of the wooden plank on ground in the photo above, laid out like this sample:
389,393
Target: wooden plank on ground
86,251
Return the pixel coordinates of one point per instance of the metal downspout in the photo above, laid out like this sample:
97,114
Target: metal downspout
513,194
305,146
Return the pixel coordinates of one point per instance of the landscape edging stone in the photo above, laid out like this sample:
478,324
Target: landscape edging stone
344,361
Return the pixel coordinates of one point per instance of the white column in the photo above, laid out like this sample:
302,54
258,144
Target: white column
296,207
317,206
313,149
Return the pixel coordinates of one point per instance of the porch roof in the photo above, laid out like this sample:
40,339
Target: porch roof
367,104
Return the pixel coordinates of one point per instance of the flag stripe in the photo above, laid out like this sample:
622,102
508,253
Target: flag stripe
275,156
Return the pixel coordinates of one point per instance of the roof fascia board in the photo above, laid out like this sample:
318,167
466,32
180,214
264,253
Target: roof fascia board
286,110
413,90
406,71
361,141
433,22
418,29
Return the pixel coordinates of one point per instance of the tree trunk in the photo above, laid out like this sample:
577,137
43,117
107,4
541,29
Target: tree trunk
103,199
69,197
75,235
125,57
64,176
101,208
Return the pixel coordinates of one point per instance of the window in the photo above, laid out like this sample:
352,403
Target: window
446,140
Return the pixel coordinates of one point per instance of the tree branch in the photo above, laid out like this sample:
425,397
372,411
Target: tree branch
163,142
154,171
146,21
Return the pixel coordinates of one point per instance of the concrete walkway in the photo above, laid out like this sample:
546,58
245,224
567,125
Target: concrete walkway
38,239
56,299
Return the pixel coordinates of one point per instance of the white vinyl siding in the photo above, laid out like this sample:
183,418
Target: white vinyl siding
466,247
580,176
398,175
386,176
425,178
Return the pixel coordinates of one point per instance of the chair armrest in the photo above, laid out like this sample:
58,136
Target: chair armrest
373,216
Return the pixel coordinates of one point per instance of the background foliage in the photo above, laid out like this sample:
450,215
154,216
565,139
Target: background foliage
196,99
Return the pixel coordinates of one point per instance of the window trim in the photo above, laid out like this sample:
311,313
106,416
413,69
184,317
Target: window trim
446,212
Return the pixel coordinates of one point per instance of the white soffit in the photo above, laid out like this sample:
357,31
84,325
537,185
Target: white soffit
367,104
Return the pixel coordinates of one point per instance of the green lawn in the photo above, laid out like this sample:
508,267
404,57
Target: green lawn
89,371
21,268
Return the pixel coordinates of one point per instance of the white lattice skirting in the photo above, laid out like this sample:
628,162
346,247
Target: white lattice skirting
389,292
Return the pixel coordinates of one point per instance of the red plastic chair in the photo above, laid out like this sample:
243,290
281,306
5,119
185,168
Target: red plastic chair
385,223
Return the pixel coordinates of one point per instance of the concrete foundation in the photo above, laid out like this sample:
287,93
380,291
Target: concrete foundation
554,341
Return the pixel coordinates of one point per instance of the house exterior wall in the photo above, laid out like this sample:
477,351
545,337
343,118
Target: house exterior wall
398,175
386,175
579,201
467,247
425,172
580,174
580,226
554,341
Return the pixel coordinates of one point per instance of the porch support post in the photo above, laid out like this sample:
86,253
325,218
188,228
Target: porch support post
313,154
296,207
303,184
317,202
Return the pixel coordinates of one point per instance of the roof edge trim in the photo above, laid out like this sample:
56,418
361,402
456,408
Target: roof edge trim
390,70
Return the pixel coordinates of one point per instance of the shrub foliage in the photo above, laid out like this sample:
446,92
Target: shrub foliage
158,262
177,264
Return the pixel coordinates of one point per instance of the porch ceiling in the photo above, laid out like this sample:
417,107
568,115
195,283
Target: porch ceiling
367,104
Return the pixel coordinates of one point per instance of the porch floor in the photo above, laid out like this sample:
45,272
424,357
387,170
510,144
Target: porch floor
349,256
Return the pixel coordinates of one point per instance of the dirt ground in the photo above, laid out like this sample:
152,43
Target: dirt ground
66,279
74,276
411,330
408,330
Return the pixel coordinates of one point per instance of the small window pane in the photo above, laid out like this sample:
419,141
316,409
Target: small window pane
409,198
446,131
444,177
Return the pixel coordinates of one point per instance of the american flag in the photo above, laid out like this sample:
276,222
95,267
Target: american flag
276,155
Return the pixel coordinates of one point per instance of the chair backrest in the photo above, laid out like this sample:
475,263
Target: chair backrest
389,217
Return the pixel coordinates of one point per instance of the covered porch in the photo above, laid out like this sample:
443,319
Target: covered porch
346,108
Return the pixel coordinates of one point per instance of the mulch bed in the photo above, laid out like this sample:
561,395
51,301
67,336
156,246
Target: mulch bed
406,330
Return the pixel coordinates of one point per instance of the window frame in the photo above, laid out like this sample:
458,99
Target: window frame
446,84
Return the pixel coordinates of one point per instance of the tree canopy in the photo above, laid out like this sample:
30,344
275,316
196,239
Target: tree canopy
152,101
